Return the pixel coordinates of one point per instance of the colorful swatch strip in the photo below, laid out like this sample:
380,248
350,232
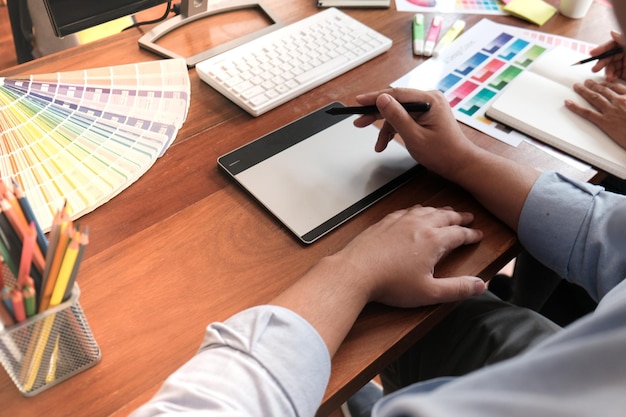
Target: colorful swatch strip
81,137
493,7
478,65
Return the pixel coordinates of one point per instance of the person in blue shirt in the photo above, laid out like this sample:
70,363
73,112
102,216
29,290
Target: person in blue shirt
533,285
274,359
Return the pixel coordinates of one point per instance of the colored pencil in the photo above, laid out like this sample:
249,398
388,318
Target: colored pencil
83,241
18,305
30,299
5,316
10,244
65,271
28,247
57,258
22,200
55,233
21,228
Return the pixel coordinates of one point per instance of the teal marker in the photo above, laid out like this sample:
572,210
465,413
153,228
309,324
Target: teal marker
418,34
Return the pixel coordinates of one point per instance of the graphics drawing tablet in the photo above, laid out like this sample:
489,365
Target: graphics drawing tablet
318,172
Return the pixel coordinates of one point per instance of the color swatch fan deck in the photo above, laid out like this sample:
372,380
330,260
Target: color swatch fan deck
81,137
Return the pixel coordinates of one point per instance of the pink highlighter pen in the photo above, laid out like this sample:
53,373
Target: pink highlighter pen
433,35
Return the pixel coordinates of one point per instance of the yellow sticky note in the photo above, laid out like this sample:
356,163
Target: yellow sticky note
535,11
105,29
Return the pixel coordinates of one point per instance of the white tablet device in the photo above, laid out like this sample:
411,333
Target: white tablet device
319,171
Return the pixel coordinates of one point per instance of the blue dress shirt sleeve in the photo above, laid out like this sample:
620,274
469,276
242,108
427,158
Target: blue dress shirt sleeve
578,230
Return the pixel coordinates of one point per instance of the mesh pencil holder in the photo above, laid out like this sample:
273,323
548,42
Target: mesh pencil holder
49,347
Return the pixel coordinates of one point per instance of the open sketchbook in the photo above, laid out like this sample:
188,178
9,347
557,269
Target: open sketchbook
533,103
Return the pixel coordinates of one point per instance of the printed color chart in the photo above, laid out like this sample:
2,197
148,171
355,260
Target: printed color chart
82,137
478,66
492,7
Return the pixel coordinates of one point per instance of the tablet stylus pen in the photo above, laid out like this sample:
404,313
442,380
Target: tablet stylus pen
410,107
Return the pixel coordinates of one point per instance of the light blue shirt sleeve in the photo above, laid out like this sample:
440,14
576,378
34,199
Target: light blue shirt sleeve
578,230
264,361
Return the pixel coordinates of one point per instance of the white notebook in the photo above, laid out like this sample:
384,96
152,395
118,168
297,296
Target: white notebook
533,103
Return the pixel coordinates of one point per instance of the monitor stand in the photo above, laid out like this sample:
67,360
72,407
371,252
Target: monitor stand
192,10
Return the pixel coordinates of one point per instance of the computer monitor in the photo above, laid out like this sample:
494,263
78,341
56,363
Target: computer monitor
71,16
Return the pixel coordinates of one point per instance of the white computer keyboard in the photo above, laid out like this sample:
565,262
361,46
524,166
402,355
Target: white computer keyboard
281,65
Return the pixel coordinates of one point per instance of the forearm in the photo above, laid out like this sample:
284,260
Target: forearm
499,184
334,298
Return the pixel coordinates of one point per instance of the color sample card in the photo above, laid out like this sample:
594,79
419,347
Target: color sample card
555,40
82,137
493,7
478,66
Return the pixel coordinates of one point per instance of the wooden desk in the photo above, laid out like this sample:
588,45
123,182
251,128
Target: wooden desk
183,246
